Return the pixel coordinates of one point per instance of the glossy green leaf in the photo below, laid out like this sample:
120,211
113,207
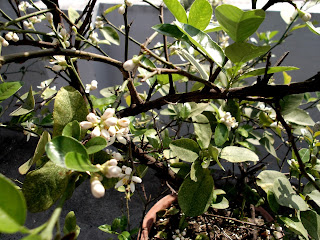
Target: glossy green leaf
266,179
238,24
169,30
286,196
194,198
44,186
268,145
13,210
202,129
79,162
295,225
177,10
311,221
7,89
102,102
72,129
73,14
243,52
290,102
185,149
221,134
312,192
286,78
184,111
96,144
200,14
26,107
204,42
238,154
69,105
110,35
59,146
300,117
38,153
271,70
273,204
220,203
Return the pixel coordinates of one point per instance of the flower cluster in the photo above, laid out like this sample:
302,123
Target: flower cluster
108,126
127,179
227,119
11,36
92,86
23,6
60,63
122,8
178,235
99,23
29,24
93,38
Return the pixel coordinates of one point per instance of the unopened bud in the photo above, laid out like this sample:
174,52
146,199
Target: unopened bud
97,189
112,121
96,132
124,122
91,117
129,3
49,17
86,125
109,112
122,9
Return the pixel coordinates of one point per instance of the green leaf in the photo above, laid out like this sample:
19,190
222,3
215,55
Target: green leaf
312,192
238,154
184,111
169,30
295,225
59,146
311,221
312,28
221,134
125,235
72,129
290,102
204,42
194,198
187,56
202,129
32,237
38,153
110,35
107,228
7,89
273,204
73,14
286,196
195,170
185,149
286,78
271,70
70,224
243,52
177,10
300,117
111,9
214,153
266,179
200,14
102,102
96,144
238,24
79,162
26,107
13,210
268,145
44,186
69,105
220,203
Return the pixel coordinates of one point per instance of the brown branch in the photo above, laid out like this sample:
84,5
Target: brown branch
250,92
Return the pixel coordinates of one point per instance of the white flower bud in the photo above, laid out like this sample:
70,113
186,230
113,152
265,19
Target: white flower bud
86,125
97,189
26,24
112,130
57,68
94,85
136,179
91,117
114,171
9,36
105,134
96,132
129,3
112,121
112,162
67,43
121,139
124,122
306,17
117,156
129,65
15,37
128,170
63,33
109,112
122,9
49,17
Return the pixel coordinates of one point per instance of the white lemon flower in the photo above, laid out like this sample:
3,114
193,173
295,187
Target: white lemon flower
127,179
29,129
23,6
227,119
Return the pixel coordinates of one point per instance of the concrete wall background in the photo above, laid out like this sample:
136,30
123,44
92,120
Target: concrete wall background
304,50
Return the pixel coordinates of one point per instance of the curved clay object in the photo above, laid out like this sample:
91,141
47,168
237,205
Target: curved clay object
151,216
